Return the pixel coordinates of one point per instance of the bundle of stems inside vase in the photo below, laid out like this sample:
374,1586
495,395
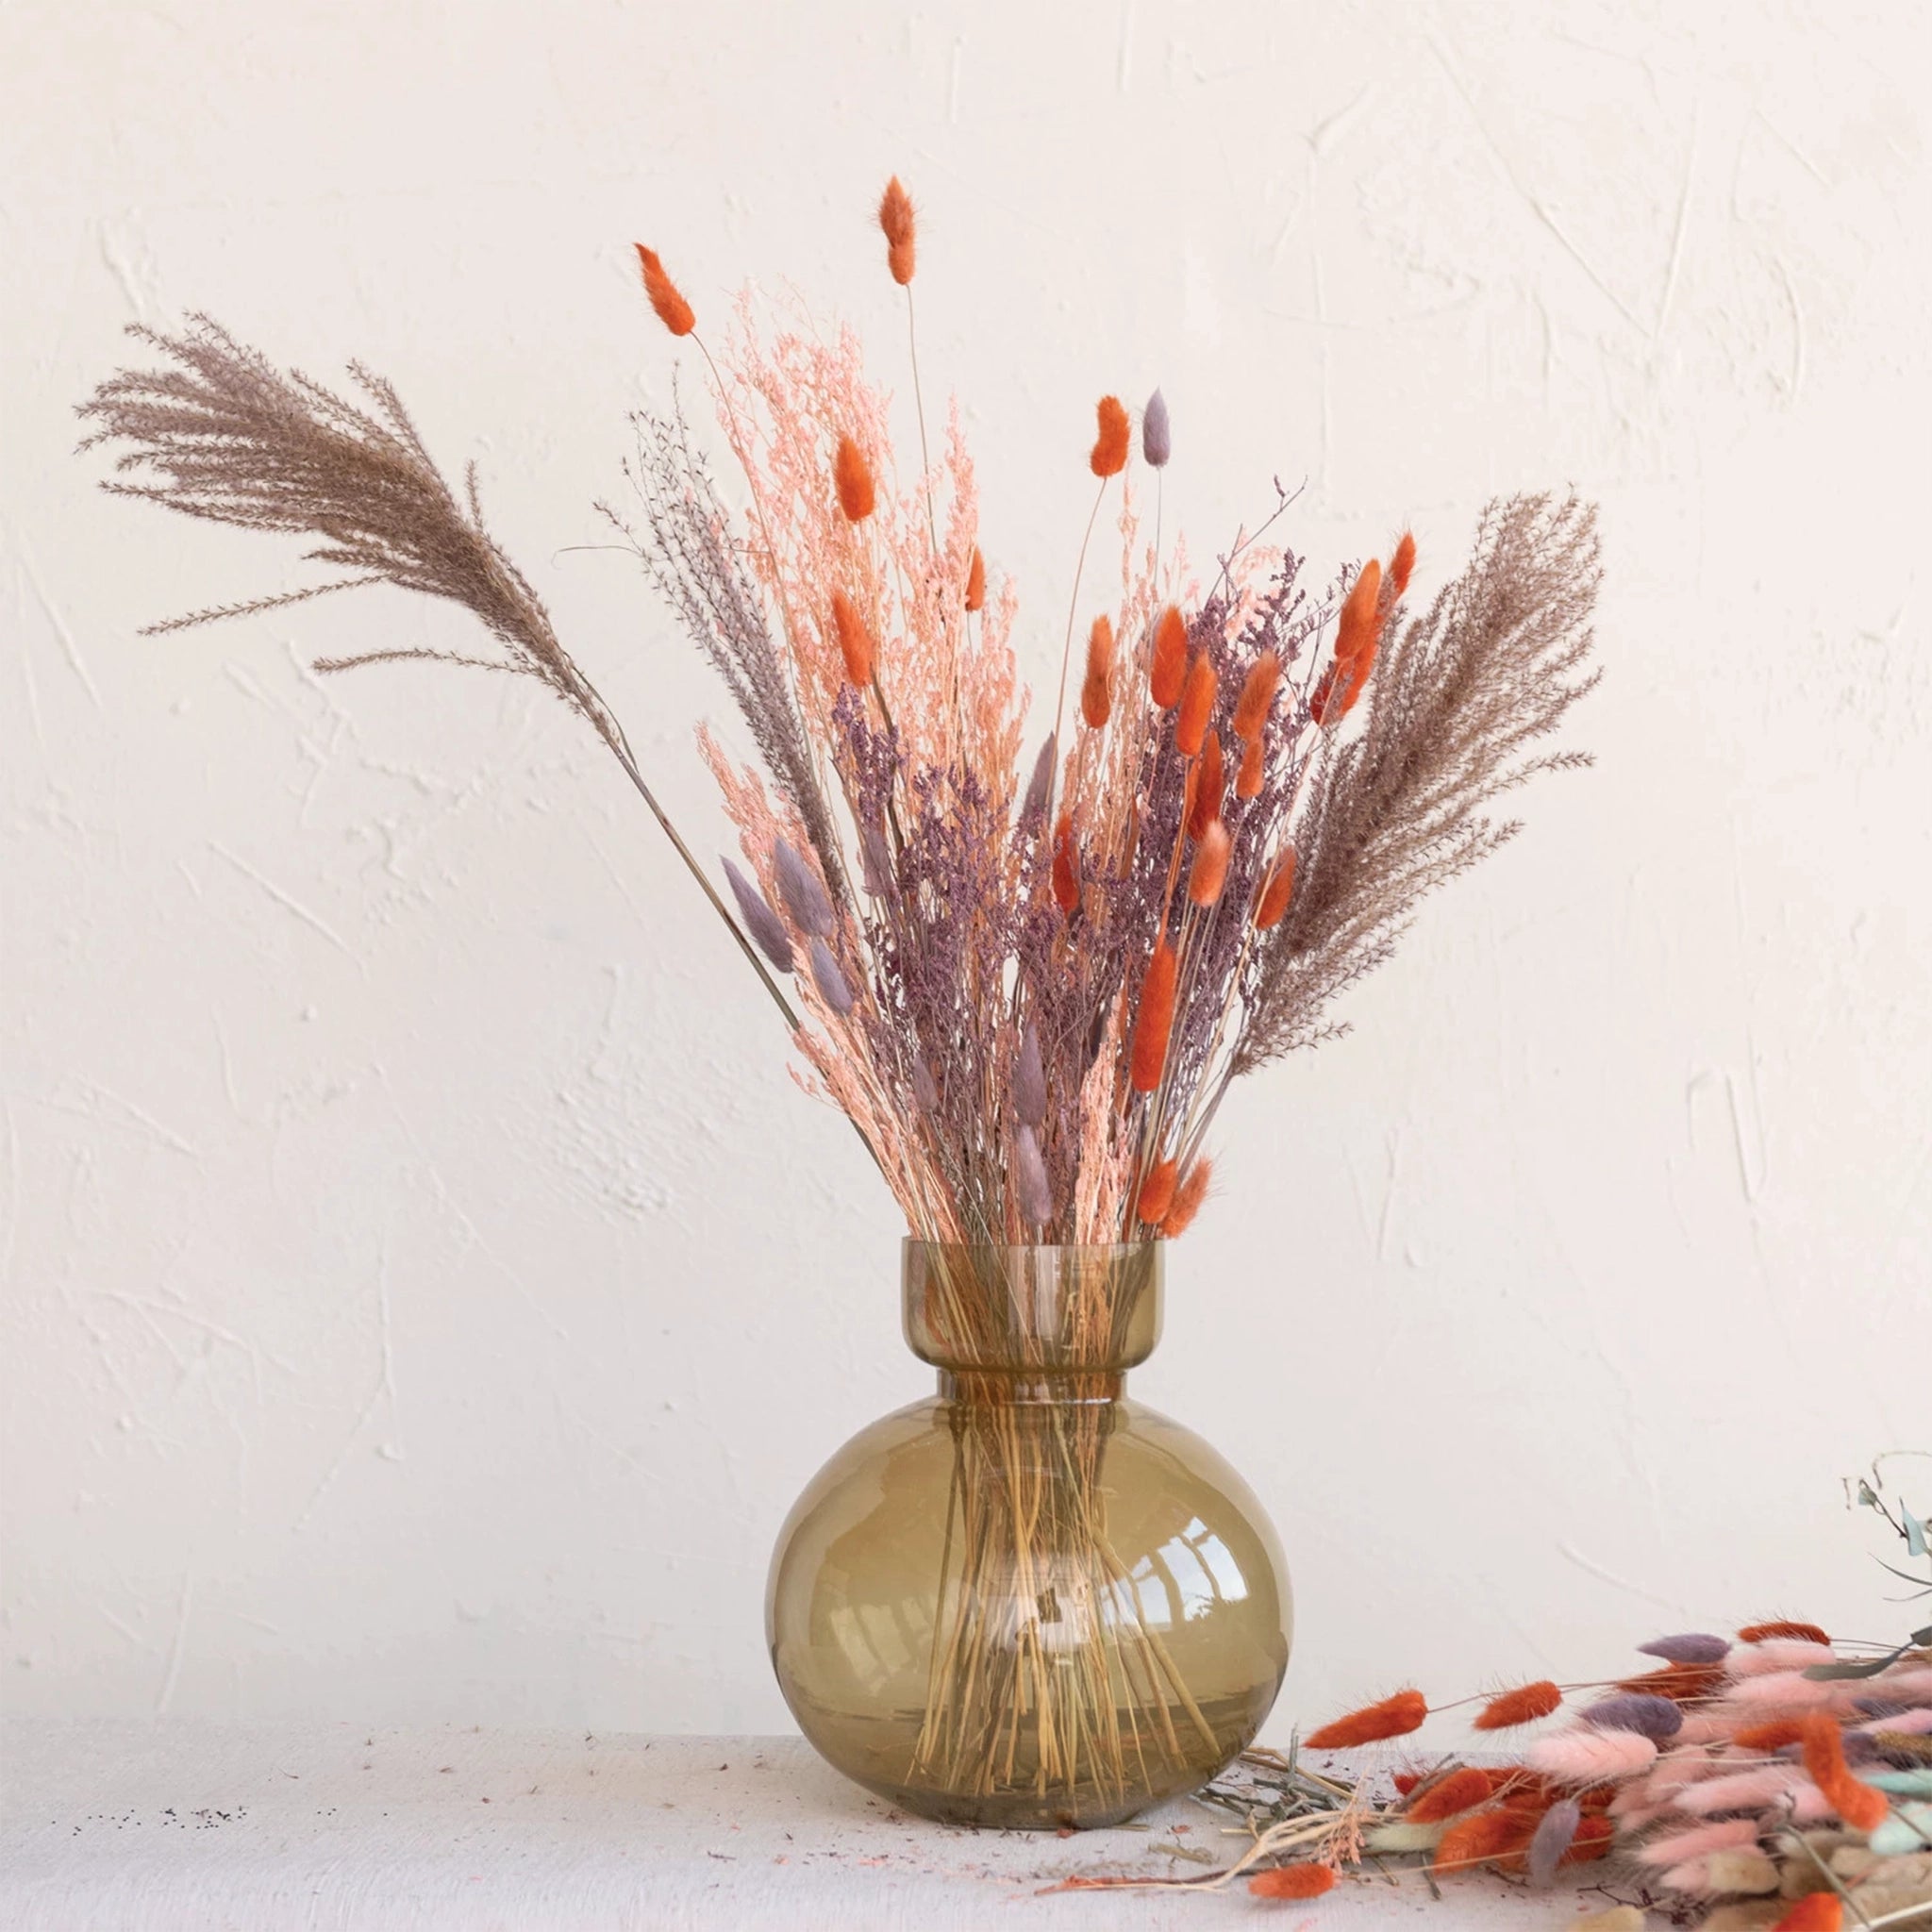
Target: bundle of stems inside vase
1027,951
1046,1674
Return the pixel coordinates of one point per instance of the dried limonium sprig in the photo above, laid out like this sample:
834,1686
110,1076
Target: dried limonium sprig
1027,980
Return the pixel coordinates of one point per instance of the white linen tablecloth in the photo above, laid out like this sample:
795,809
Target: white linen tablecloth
181,1828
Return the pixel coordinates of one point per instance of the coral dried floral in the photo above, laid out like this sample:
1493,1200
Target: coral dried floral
1260,776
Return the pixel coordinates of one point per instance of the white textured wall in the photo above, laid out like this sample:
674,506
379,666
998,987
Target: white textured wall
424,1291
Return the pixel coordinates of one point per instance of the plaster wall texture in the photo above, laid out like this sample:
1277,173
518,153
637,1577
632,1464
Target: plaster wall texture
426,1290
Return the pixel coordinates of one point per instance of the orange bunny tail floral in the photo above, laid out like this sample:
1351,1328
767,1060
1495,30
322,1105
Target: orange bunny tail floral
1254,772
1258,697
1209,781
1209,873
852,477
1096,694
1402,565
1066,866
1187,1198
1861,1805
1395,1716
1197,704
1292,1881
1820,1912
1520,1707
1156,1193
671,307
1115,438
1168,674
1354,631
1154,1021
1482,1839
1277,892
898,224
1461,1790
1355,679
1767,1633
854,639
975,581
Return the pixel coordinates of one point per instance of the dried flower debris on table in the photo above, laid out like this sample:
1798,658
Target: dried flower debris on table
1026,964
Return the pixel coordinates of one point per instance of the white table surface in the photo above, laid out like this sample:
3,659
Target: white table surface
176,1828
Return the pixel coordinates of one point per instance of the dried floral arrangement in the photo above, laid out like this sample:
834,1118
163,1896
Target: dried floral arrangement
1027,978
1770,1782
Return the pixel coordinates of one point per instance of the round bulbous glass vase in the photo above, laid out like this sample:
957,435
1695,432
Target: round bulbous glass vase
1027,1601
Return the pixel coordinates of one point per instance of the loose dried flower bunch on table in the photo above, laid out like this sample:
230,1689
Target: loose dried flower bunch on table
1770,1781
1025,964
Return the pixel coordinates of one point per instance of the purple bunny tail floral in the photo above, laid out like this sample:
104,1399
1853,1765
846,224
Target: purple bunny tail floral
1029,1080
1157,434
804,898
1689,1647
1656,1718
830,981
1029,1178
763,924
1555,1835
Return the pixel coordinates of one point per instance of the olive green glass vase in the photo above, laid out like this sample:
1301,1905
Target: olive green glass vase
1027,1601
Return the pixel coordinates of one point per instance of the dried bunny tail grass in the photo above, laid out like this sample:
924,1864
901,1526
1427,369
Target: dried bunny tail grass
1156,1193
1819,1911
1168,674
1196,708
1257,696
1673,1847
1688,1647
1252,775
1355,630
1209,873
899,226
1481,1839
1156,432
669,305
763,924
852,478
1096,688
975,581
1777,1653
1590,1756
1292,1881
1461,1790
1763,1633
1528,1701
1393,1717
1154,1021
1656,1718
1861,1805
1207,782
1113,439
854,639
1066,865
1402,565
1550,1844
1274,904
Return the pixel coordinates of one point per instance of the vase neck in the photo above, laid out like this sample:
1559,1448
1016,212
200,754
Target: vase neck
998,1389
1070,1321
